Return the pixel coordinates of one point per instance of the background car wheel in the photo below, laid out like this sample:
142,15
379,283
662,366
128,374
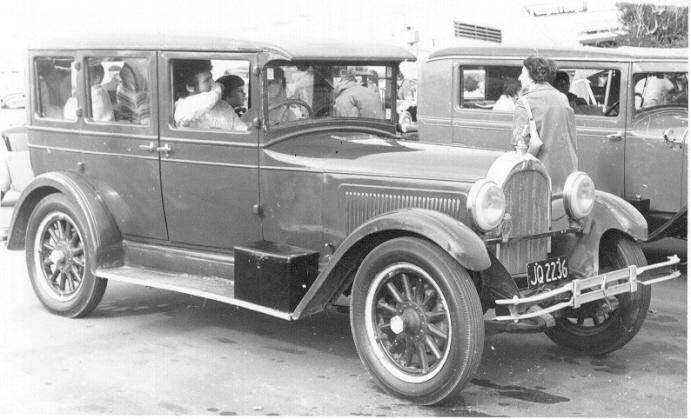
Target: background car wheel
60,258
595,330
416,320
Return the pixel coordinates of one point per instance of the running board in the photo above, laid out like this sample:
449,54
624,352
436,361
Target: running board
209,287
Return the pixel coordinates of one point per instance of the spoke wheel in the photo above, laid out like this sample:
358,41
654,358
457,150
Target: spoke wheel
599,328
408,322
60,258
416,320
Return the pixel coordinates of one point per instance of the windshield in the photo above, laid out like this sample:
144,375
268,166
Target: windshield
659,89
297,92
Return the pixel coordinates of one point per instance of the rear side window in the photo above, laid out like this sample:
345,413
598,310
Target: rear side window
119,90
489,87
56,86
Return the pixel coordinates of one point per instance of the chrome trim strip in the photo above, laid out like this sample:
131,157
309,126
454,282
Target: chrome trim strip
97,153
209,142
598,286
94,133
209,163
576,59
291,169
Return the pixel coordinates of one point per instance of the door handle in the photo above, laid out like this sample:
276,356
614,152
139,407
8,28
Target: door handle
164,149
617,136
151,147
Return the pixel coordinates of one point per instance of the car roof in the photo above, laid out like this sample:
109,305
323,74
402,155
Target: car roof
585,53
286,49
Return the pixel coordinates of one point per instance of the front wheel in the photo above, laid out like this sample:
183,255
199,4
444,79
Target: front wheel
593,329
416,320
60,258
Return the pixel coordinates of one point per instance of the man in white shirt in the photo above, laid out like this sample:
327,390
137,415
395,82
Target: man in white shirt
202,107
654,90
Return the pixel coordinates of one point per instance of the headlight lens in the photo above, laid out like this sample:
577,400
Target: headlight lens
579,195
486,204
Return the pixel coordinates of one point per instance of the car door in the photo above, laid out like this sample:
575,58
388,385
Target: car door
654,165
105,143
209,175
601,91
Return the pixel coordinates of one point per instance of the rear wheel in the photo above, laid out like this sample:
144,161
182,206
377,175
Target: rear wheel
60,258
416,320
593,328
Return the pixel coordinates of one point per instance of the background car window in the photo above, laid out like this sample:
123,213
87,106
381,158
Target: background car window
305,91
593,91
56,86
119,90
660,89
489,87
197,103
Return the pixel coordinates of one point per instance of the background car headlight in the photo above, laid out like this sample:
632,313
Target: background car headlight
486,204
579,195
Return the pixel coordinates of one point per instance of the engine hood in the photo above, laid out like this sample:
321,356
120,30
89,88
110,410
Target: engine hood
376,156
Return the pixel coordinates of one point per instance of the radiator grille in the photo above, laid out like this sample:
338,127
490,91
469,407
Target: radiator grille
528,201
360,206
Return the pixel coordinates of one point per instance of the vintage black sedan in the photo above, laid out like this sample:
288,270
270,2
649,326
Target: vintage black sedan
308,199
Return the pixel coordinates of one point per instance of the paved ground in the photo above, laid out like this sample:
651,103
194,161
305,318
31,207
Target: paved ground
147,351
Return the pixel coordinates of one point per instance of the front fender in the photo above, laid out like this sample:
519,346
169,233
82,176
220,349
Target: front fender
454,237
610,213
102,230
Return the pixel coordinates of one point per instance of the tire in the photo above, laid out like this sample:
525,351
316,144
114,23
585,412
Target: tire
605,331
394,355
60,258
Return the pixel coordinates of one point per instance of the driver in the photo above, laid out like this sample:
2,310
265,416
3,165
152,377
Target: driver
356,101
279,110
201,106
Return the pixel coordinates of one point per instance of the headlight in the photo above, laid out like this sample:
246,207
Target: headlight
579,195
486,204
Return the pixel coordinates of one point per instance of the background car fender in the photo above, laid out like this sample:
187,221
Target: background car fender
102,228
459,240
610,214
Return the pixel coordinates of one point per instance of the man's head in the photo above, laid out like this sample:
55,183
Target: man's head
194,76
511,87
233,90
562,82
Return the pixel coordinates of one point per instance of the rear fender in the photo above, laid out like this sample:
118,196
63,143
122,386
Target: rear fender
102,229
610,214
454,237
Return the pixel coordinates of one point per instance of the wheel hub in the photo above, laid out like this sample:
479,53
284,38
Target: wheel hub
61,256
410,322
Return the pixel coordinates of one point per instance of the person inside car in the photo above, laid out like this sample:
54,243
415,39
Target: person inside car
509,94
276,91
562,82
356,101
200,104
234,93
101,106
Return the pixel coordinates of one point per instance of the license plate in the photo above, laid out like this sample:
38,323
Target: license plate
548,271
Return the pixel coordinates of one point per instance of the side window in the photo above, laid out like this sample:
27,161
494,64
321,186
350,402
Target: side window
210,94
56,84
489,87
591,91
119,90
659,89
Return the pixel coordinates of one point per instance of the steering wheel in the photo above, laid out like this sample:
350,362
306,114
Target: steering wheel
287,103
611,108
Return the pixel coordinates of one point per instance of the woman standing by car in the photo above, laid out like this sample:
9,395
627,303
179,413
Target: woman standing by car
554,119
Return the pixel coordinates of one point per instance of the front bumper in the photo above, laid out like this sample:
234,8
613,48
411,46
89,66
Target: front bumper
581,291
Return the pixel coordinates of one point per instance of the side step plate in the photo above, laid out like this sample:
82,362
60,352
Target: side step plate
212,288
